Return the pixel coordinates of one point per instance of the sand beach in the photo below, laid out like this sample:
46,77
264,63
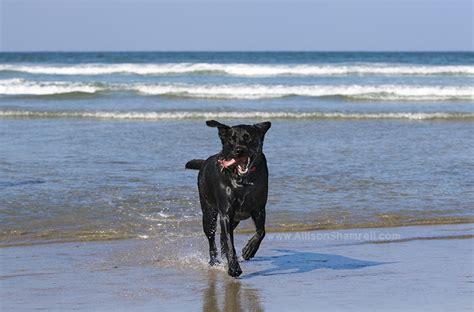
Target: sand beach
425,269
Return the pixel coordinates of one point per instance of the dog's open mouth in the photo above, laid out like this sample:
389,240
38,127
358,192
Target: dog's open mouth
241,164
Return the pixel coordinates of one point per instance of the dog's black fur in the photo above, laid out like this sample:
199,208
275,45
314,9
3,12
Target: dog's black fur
236,192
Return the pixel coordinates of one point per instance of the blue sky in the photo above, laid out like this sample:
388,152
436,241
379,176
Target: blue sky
196,25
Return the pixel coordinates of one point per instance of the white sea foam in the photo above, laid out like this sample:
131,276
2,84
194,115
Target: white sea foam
368,92
20,86
236,69
155,217
176,115
246,91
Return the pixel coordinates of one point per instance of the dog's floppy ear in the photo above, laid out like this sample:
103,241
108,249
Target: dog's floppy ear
263,126
221,127
216,124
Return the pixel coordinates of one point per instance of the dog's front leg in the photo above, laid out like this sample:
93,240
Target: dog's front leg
209,223
224,240
227,233
251,248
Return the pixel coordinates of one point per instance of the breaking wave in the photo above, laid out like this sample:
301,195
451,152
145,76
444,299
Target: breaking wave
23,87
358,92
177,115
246,91
236,69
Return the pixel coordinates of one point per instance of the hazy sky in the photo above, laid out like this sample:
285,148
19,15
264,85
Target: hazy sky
129,25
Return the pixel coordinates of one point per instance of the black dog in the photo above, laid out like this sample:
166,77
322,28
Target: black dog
234,185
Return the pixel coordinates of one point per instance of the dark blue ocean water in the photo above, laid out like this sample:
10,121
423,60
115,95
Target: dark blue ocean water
93,145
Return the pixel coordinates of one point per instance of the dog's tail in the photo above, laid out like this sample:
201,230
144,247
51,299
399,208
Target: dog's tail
195,164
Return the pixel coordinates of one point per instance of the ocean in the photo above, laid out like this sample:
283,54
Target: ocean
93,145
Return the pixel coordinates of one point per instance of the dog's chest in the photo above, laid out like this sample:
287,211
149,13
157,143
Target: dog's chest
242,202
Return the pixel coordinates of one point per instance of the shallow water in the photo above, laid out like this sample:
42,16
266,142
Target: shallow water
95,149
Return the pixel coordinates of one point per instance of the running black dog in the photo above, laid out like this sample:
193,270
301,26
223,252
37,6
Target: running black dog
234,186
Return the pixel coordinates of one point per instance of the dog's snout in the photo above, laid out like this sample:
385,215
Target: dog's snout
239,151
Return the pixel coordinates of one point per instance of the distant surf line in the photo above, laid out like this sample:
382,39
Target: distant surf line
240,69
382,92
189,115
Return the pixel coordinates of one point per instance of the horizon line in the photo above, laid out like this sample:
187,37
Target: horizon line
240,51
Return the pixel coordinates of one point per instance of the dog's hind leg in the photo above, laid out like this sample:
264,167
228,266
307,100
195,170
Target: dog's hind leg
251,248
209,224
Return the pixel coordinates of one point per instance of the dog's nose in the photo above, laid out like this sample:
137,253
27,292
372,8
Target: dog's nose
239,151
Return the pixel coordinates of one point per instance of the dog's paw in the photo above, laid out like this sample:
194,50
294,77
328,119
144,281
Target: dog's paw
248,252
235,272
234,269
214,261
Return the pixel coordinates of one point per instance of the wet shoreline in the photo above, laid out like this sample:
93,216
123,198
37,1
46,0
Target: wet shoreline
329,274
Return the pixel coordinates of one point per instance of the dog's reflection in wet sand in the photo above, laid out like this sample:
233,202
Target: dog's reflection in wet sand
225,294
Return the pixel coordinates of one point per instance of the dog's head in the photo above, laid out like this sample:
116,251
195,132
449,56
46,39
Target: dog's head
241,145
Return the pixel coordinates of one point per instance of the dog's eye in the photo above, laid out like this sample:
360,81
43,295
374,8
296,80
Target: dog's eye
247,138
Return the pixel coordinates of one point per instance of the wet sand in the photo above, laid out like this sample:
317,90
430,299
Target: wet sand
408,268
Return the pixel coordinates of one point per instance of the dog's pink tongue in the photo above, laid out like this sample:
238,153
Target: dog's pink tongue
226,163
